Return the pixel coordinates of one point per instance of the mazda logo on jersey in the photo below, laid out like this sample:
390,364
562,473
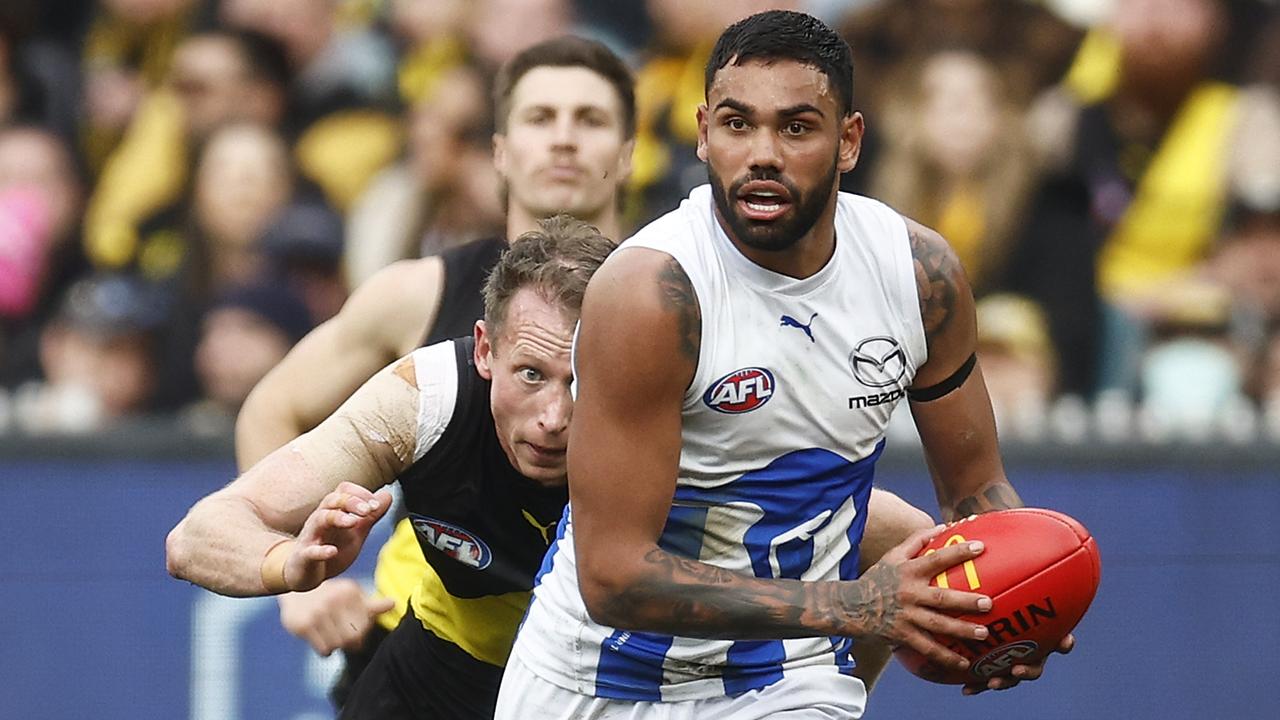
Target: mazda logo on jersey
453,541
740,391
878,362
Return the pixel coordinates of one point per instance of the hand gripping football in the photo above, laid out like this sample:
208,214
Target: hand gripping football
1040,568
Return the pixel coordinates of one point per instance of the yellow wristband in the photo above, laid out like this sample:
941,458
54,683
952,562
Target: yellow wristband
272,569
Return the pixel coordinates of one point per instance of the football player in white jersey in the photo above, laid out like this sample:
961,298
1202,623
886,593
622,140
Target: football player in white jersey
737,361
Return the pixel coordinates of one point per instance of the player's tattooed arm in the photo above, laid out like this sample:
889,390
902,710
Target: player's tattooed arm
679,298
891,601
683,596
938,279
999,495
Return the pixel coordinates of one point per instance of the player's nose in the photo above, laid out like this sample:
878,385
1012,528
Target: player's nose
556,413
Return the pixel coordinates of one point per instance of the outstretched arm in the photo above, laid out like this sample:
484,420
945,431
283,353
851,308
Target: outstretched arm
641,325
291,520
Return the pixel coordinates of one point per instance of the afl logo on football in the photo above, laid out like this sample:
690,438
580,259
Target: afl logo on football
740,391
453,541
878,362
1003,658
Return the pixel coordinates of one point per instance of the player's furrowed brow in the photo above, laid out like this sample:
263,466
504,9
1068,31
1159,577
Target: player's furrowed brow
735,105
800,109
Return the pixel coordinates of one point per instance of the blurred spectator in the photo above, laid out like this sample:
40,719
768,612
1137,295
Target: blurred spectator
98,356
956,158
343,86
40,200
1193,369
444,193
243,178
1030,44
304,245
217,77
1140,190
498,29
247,330
432,35
1018,362
40,76
334,67
127,50
210,240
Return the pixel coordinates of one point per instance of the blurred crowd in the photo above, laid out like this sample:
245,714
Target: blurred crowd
188,186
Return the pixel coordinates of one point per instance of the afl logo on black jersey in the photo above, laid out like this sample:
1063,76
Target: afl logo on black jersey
453,541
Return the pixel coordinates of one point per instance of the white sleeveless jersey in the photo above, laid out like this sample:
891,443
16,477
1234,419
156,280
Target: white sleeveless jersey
782,425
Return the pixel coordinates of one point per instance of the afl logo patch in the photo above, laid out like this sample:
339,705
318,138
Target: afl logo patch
453,541
740,391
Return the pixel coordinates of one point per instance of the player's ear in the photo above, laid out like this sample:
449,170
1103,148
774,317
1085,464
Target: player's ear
624,160
702,132
851,129
483,351
500,153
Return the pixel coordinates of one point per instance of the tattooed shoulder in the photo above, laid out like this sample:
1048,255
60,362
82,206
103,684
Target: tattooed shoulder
679,298
937,271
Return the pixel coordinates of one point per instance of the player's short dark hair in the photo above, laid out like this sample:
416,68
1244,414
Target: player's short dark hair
557,259
787,35
567,51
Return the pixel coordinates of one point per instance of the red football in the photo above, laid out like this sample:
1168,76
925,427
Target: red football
1040,568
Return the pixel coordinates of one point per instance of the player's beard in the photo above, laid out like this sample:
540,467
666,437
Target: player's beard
775,235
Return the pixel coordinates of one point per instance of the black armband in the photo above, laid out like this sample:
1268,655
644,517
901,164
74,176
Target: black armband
957,378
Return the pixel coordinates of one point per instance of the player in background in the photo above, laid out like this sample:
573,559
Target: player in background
721,457
565,127
474,430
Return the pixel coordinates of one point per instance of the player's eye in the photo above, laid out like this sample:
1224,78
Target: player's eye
594,120
795,127
529,375
736,124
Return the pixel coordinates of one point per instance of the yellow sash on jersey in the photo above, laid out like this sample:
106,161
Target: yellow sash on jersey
484,627
399,571
1179,201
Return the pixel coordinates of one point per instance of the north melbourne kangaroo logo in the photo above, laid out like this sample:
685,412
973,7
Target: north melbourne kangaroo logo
788,321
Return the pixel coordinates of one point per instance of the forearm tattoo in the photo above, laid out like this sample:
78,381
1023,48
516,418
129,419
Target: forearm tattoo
997,496
936,269
686,597
678,297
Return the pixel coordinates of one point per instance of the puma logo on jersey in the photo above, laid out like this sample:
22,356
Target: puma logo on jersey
740,391
453,541
544,530
788,321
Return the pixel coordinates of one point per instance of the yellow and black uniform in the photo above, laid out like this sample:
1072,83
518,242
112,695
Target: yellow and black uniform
400,563
483,529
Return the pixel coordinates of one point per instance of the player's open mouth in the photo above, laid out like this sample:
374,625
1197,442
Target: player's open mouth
763,201
546,453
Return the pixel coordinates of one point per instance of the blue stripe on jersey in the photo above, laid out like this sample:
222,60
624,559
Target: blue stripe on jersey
753,664
555,545
843,647
630,666
798,495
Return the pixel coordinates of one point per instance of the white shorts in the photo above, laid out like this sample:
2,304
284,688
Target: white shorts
812,693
